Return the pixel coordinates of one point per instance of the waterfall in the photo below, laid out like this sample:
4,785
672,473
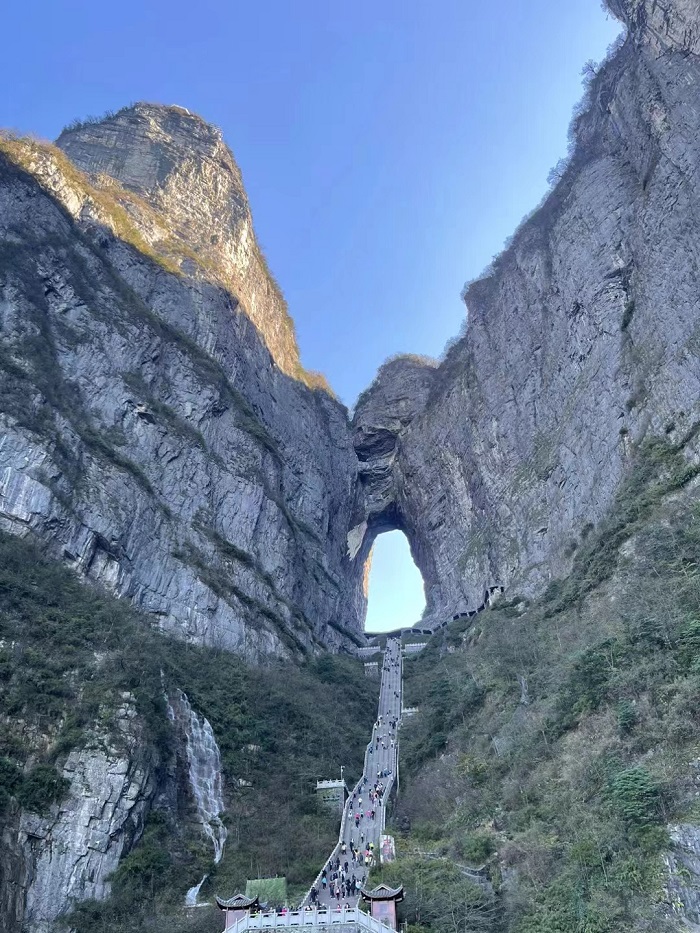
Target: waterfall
204,767
193,893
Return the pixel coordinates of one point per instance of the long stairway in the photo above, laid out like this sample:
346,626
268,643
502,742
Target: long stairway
381,758
381,764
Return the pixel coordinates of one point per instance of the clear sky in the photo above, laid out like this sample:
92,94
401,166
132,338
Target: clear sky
388,147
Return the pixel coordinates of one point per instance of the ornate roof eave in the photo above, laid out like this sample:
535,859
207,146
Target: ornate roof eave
383,893
237,902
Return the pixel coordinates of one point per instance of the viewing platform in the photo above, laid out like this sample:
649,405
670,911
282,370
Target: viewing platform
345,920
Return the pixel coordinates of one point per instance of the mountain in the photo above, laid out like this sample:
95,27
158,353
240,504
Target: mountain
158,429
582,342
162,443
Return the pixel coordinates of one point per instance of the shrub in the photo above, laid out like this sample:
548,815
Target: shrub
41,787
477,847
636,796
626,716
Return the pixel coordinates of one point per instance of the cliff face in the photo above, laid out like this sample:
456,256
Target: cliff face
159,430
582,340
151,430
181,167
668,24
158,433
69,855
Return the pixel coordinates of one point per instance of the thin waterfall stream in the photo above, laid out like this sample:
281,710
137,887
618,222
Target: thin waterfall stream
204,773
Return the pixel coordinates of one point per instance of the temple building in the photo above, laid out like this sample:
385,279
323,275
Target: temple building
236,907
383,901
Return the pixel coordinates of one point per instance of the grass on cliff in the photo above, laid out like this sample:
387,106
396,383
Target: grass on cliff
68,658
556,740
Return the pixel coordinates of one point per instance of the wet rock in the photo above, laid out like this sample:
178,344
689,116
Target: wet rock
683,881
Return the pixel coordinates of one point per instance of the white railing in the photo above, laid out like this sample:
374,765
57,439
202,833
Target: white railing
317,917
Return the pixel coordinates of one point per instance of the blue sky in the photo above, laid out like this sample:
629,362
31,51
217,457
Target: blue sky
388,148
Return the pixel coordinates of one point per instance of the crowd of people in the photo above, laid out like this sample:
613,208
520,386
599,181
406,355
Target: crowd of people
347,870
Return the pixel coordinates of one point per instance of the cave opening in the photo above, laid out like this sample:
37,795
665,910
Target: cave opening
395,590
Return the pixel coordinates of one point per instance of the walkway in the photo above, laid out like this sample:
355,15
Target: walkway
381,764
345,920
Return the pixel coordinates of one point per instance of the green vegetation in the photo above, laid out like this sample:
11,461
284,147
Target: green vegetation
565,795
68,658
36,790
438,896
269,890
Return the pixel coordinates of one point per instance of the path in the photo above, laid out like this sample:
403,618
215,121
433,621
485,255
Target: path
381,758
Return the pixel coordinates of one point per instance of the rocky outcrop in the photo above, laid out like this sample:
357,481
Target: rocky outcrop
582,340
150,432
381,417
661,24
68,855
683,880
190,192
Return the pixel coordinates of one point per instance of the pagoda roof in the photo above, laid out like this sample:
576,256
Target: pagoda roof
237,902
383,893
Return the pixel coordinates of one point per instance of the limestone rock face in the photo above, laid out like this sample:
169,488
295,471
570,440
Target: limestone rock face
661,23
180,166
583,339
381,416
683,878
147,432
71,853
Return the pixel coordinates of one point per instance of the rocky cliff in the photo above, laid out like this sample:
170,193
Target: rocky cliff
159,435
583,339
255,515
190,198
69,854
157,428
